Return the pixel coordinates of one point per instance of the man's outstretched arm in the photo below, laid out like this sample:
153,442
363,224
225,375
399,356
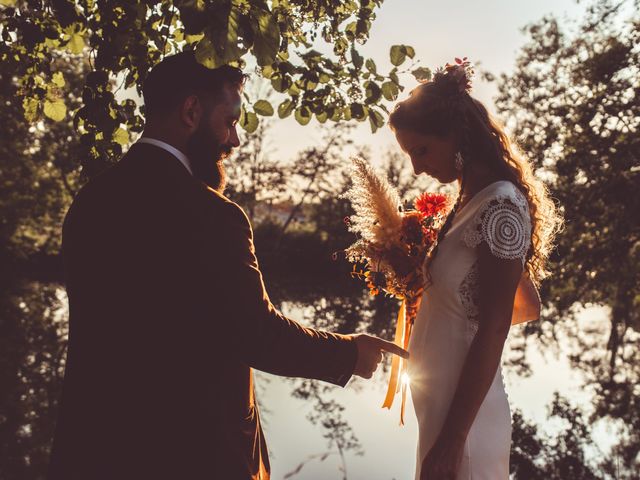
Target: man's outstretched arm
263,337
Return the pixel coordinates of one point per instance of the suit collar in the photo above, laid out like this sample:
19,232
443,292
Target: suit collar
169,148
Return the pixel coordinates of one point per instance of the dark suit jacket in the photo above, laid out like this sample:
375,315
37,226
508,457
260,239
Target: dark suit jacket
168,314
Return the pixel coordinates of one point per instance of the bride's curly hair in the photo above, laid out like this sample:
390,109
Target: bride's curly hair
443,106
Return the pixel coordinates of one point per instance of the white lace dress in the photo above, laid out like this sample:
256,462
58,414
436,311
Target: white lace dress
447,322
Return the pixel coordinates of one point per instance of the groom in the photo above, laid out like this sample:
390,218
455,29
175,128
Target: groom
168,310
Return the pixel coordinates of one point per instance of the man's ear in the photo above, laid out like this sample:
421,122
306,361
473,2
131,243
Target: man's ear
191,112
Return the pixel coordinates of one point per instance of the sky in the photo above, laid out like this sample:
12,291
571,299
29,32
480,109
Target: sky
488,32
485,31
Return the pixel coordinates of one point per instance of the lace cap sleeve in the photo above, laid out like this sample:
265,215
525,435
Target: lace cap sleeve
503,222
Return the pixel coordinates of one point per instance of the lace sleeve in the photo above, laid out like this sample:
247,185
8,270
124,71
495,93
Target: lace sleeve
505,225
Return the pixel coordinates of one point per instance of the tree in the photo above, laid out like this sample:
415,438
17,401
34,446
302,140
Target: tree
573,105
537,456
38,178
254,177
286,41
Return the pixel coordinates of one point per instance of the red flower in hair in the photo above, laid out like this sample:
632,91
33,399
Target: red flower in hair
431,204
460,73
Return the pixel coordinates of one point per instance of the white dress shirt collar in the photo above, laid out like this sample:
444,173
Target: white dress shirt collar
169,148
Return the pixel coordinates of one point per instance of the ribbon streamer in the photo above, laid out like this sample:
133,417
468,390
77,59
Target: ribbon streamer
406,315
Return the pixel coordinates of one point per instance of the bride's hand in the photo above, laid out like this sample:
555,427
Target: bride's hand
443,460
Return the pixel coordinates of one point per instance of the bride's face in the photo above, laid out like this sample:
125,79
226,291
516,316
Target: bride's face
430,154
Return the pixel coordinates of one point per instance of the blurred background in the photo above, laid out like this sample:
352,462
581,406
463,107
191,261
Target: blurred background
562,75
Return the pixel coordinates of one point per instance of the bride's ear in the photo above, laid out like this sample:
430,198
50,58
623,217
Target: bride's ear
191,112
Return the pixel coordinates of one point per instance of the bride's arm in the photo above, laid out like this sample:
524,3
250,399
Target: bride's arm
498,280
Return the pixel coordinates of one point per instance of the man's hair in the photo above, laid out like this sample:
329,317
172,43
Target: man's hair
180,75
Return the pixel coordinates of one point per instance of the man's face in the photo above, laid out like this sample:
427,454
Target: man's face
215,137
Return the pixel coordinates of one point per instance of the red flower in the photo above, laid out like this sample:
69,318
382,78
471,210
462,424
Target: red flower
431,204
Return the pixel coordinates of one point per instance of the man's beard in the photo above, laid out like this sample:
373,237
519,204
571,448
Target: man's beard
207,160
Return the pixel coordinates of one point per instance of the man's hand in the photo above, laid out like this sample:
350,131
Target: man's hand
370,353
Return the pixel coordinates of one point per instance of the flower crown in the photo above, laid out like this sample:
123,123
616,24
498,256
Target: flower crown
457,76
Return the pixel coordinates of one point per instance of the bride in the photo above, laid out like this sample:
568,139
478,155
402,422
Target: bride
480,277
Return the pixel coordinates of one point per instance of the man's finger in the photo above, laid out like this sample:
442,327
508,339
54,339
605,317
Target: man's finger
392,348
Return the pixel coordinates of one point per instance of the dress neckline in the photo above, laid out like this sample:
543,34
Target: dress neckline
477,195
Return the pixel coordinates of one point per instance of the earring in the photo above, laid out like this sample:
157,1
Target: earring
459,162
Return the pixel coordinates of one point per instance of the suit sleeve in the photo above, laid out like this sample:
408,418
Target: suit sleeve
263,337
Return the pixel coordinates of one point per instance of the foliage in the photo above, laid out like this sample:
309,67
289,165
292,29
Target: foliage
255,178
38,178
540,456
308,51
33,332
573,104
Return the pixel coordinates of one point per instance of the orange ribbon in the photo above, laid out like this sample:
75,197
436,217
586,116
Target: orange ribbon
406,315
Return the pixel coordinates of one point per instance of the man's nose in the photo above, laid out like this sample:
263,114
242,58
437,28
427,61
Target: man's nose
234,141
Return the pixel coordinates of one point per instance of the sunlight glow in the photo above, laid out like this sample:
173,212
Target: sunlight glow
405,379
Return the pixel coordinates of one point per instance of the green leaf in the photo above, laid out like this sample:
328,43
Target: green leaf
409,51
178,36
372,92
394,76
8,3
350,31
308,83
55,110
231,50
322,117
206,54
294,90
303,115
422,74
267,71
248,121
58,79
263,107
285,108
376,120
30,106
371,65
357,59
335,114
340,46
121,136
267,38
390,91
76,41
398,54
358,111
346,113
190,39
324,77
280,83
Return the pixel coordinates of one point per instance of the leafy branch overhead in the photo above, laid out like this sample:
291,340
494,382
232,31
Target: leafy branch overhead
280,39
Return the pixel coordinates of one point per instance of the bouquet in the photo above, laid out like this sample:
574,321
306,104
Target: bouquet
392,245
